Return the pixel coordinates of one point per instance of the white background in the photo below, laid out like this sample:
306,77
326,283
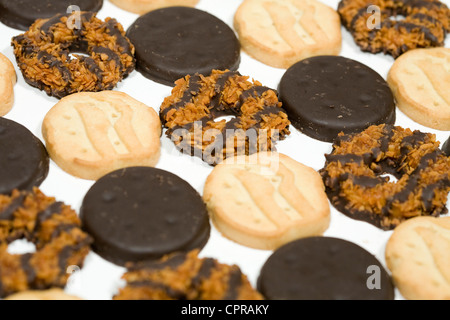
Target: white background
99,279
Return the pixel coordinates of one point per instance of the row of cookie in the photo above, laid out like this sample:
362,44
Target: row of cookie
293,29
307,268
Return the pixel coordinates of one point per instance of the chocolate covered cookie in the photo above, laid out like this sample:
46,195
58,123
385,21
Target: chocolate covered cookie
326,95
177,41
446,147
24,162
143,213
20,14
324,268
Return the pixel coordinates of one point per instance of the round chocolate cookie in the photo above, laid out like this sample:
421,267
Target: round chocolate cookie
446,147
326,95
21,14
24,162
143,213
324,268
178,41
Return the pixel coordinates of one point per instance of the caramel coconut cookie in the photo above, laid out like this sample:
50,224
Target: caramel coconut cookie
353,175
375,28
21,14
266,200
50,294
420,82
259,120
417,254
8,79
185,276
280,33
43,54
89,134
55,230
143,6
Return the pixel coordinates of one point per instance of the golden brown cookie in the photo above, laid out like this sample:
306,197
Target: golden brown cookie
8,79
185,276
143,6
266,200
418,255
420,82
50,294
282,32
91,134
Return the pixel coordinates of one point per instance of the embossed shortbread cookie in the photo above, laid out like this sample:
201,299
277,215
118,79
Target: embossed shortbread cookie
91,134
143,6
266,200
282,32
420,82
7,81
418,255
50,294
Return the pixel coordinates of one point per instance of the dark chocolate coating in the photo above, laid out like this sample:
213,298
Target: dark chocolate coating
21,14
176,41
324,268
446,147
325,95
143,213
24,161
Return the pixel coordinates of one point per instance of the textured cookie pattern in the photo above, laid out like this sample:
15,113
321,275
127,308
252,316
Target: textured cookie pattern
8,79
185,276
420,82
282,32
91,134
266,200
418,255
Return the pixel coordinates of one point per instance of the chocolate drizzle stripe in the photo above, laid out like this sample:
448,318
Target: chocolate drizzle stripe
55,207
204,272
171,292
234,284
218,88
193,89
8,212
53,62
68,251
28,268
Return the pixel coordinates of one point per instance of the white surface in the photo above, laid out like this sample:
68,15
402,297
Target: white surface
99,279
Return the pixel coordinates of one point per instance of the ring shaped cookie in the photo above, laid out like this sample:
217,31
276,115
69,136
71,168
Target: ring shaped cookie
8,79
55,230
90,134
43,54
353,175
196,101
266,200
417,254
143,6
420,82
282,32
375,29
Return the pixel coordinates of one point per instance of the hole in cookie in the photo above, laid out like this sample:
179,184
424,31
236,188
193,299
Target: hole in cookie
21,246
226,118
73,55
397,18
389,177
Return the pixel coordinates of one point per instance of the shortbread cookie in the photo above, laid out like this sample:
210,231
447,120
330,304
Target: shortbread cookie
143,6
266,200
8,79
420,81
50,294
418,255
91,134
282,32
